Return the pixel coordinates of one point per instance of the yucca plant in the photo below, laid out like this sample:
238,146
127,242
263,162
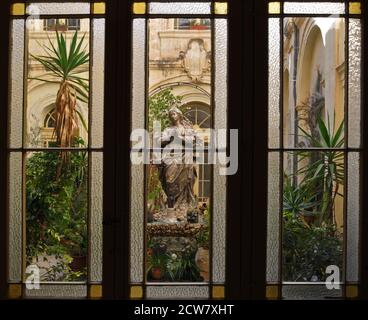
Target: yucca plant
299,199
64,65
326,172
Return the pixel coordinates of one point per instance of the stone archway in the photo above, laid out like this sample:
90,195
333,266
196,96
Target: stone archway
311,63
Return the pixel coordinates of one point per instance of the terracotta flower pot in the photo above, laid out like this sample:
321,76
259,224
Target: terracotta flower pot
156,273
202,260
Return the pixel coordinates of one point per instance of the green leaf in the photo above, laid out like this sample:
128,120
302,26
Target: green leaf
72,46
337,140
82,120
44,80
324,132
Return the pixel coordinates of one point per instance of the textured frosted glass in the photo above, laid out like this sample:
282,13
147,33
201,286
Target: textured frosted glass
137,171
219,181
314,7
354,106
273,82
309,292
16,80
273,218
353,215
59,291
98,77
96,216
180,8
15,217
177,292
136,223
68,8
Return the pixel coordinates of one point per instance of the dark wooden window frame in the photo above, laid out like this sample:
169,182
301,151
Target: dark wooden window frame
248,112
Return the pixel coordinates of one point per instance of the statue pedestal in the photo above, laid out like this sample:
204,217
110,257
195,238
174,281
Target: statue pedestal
170,216
180,229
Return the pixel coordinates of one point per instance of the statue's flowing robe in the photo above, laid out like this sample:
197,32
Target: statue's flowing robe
177,177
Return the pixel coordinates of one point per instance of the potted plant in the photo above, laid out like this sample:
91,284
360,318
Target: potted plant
157,259
183,267
156,264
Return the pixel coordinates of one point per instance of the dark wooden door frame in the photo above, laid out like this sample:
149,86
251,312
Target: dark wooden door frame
111,223
247,190
4,57
259,150
364,192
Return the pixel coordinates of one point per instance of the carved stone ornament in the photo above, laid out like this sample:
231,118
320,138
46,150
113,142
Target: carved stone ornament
196,60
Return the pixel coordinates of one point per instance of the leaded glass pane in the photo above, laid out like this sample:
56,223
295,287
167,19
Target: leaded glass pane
57,8
313,79
47,91
273,82
354,87
314,7
321,117
313,215
16,84
56,215
55,194
137,171
273,218
353,217
182,201
177,206
180,8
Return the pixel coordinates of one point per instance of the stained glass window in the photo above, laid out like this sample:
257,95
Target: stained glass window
55,149
175,206
314,149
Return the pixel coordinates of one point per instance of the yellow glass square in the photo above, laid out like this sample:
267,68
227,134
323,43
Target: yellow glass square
220,7
351,291
139,7
95,291
136,292
218,292
18,9
99,8
355,8
274,7
14,291
272,292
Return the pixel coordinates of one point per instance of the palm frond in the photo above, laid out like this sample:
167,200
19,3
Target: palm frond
64,63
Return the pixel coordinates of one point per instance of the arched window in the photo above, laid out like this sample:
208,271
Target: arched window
47,129
50,119
200,115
